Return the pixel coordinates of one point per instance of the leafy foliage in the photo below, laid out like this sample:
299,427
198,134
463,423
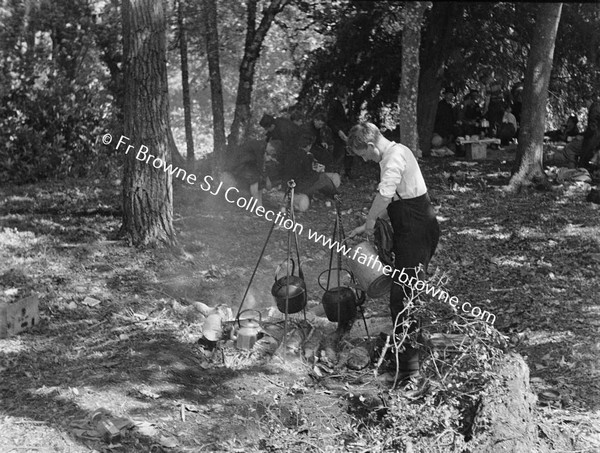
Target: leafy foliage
492,42
53,97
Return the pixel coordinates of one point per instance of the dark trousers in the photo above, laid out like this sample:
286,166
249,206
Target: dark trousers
343,157
591,142
322,184
416,235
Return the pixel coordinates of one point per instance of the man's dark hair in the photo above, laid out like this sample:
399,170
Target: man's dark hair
266,121
320,116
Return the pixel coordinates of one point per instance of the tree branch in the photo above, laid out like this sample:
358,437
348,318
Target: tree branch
250,23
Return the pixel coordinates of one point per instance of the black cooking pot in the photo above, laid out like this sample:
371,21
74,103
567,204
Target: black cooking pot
339,302
290,289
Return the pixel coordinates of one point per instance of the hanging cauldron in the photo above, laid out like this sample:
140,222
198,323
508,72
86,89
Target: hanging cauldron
291,288
339,302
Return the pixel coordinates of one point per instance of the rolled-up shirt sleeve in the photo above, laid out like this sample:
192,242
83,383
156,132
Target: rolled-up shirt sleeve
392,168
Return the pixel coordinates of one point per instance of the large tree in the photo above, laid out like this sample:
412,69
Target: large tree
252,47
147,190
530,150
214,70
185,82
409,82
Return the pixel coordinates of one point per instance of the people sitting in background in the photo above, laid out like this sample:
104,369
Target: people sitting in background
444,121
322,142
282,129
468,115
309,175
571,153
591,136
567,131
245,168
508,129
516,95
337,120
495,106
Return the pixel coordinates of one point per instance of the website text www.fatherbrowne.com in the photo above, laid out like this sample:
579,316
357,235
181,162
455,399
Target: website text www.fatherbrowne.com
209,185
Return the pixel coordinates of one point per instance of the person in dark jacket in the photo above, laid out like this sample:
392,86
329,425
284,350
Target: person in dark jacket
469,114
247,167
309,175
283,130
517,100
566,132
591,136
444,120
339,125
321,140
496,106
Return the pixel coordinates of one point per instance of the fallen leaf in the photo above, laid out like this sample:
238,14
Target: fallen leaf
90,301
146,428
168,442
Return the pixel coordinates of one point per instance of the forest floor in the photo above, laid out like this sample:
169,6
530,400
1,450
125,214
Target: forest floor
119,326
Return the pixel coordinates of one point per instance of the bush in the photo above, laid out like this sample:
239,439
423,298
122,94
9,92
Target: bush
50,127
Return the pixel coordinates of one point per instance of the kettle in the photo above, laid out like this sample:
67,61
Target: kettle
290,288
247,332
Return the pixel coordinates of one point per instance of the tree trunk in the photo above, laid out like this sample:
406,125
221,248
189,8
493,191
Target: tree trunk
530,151
437,42
253,45
505,419
411,41
147,190
28,33
216,89
185,83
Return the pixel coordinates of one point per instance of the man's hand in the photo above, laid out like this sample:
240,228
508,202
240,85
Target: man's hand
357,231
319,168
370,227
367,228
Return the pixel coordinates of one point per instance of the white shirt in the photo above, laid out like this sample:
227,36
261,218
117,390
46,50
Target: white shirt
400,172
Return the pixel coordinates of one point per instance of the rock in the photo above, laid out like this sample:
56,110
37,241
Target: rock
358,359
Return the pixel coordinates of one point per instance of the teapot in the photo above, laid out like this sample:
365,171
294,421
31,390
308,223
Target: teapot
247,332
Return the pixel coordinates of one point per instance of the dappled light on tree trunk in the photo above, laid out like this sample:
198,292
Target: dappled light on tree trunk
147,191
529,160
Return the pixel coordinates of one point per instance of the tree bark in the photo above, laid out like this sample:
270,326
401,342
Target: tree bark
216,89
437,42
505,419
147,190
185,83
252,47
530,151
409,82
